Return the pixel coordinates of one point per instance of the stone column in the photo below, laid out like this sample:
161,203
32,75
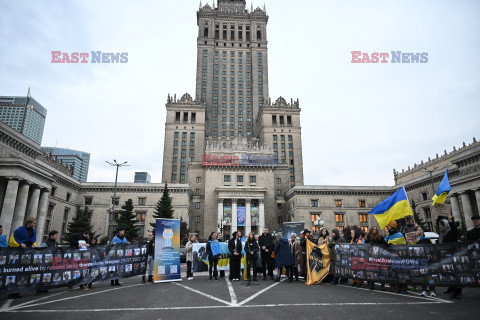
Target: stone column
32,206
8,207
20,206
477,196
248,218
220,214
234,215
261,213
467,209
42,215
3,188
455,207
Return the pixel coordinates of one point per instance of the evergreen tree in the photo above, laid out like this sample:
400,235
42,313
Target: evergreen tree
163,208
127,219
418,219
183,231
80,223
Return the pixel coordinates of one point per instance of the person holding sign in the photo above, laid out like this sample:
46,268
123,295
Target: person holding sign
213,251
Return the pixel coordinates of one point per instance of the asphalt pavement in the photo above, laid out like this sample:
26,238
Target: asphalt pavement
201,299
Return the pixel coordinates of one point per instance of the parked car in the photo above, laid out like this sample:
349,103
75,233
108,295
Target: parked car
433,236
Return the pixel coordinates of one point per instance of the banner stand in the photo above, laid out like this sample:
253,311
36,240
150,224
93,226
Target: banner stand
167,251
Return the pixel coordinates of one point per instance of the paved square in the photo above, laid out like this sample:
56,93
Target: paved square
201,299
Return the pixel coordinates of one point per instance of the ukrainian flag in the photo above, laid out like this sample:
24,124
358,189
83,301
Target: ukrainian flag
393,208
396,239
442,191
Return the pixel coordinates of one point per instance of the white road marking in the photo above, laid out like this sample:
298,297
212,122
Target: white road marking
259,293
402,295
203,294
6,305
75,297
231,306
33,301
233,296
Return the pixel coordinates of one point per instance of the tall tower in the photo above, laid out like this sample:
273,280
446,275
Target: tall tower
232,67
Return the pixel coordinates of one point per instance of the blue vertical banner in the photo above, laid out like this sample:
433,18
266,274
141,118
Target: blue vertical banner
167,251
241,216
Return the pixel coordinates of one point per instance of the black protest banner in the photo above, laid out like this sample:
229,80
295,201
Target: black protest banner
424,264
44,268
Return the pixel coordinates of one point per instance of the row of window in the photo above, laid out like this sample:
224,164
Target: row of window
281,120
339,217
227,178
339,203
186,116
88,201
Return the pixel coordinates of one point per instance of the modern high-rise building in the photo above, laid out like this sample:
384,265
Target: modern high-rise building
239,152
142,177
78,159
24,114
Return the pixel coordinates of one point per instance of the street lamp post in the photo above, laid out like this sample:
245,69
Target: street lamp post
431,177
220,227
110,224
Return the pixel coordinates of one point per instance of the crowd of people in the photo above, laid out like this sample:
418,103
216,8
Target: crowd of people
264,253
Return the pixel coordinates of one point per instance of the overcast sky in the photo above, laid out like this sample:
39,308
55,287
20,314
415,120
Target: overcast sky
359,121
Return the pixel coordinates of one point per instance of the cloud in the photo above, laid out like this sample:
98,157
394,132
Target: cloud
359,121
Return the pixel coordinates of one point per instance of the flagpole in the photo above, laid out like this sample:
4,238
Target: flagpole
431,177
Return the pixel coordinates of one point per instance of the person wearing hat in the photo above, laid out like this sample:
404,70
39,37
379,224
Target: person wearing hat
474,234
118,239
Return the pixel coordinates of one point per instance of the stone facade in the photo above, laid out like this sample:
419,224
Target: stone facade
32,184
238,152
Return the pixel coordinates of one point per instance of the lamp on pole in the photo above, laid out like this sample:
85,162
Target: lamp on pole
220,226
112,206
431,177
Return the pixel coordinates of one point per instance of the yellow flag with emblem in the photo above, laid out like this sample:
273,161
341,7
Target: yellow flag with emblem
318,262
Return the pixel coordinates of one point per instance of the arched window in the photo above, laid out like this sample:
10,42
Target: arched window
205,33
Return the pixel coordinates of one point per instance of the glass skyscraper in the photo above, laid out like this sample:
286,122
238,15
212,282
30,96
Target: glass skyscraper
79,159
25,115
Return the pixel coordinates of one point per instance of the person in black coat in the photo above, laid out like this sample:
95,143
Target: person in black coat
267,246
251,254
74,239
448,234
474,234
235,249
375,238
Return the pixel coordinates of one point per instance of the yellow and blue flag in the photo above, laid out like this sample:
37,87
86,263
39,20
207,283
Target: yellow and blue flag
396,239
394,207
442,190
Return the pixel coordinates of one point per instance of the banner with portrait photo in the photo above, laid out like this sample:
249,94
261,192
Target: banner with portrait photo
292,227
167,251
227,215
255,216
448,264
43,268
